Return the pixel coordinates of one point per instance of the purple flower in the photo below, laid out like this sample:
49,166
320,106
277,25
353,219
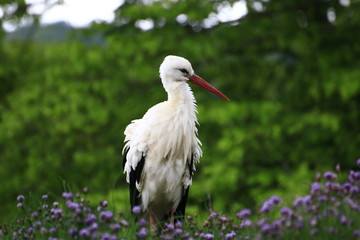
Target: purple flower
354,189
358,162
106,215
56,212
20,198
142,233
346,186
35,215
67,195
351,203
315,188
106,236
278,223
230,235
115,227
209,236
299,224
90,218
93,226
170,226
337,168
178,231
178,224
52,230
84,233
103,203
44,197
124,223
318,176
266,228
19,205
275,200
37,224
261,222
356,232
307,200
343,220
73,206
286,211
142,222
329,176
266,207
223,218
313,232
213,215
313,221
245,223
269,204
72,232
136,210
354,176
243,213
56,204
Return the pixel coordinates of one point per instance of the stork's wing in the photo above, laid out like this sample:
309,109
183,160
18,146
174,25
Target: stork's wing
180,210
134,177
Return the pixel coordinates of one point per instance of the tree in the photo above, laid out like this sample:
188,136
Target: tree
290,68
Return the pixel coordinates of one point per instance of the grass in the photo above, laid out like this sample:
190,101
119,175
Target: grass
329,211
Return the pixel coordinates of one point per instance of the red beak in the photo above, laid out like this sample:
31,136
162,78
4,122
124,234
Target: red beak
205,85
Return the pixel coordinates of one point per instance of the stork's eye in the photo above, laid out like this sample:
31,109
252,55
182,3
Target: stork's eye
183,70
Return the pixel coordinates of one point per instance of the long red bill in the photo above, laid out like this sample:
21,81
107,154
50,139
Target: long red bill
205,85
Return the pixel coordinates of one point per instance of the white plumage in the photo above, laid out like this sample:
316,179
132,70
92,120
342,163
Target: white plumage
166,140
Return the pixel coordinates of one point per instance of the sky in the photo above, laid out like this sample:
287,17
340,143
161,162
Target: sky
80,13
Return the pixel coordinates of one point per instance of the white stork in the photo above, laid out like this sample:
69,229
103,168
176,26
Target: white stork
162,148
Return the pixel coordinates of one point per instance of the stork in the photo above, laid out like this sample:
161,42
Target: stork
162,148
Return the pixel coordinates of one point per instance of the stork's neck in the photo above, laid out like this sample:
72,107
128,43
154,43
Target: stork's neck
182,94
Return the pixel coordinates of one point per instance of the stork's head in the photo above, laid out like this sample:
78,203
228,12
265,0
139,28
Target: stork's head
175,70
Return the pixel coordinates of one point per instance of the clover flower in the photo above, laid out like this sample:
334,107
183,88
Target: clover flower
243,213
142,233
315,188
246,223
72,232
329,176
20,198
106,215
84,233
115,227
67,196
103,203
136,210
90,218
124,223
286,211
230,235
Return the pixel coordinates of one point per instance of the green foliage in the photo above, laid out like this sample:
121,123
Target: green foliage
291,74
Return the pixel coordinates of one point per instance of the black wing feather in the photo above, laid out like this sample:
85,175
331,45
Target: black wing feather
180,210
135,176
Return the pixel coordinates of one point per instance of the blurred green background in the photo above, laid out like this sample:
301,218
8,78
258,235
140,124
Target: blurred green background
291,69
